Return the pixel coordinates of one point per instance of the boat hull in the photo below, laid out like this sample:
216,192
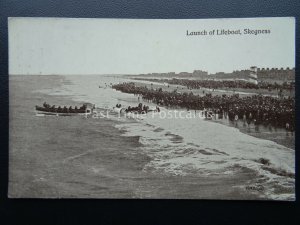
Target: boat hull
47,111
40,113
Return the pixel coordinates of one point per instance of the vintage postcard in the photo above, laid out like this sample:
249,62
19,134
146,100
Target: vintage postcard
152,108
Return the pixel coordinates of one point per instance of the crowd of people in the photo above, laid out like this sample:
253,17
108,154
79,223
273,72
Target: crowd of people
257,109
224,84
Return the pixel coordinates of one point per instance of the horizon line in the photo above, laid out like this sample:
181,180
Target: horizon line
149,73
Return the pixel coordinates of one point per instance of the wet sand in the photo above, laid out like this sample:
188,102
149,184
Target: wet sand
278,135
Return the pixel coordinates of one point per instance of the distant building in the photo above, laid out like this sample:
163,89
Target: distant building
262,75
200,73
253,74
275,74
184,74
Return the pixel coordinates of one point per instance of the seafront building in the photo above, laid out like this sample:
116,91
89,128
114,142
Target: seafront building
270,75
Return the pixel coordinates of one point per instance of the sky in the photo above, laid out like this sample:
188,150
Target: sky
67,46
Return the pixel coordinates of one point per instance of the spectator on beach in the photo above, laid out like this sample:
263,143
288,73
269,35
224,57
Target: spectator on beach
263,109
225,84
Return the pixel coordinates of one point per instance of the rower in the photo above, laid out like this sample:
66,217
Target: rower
46,105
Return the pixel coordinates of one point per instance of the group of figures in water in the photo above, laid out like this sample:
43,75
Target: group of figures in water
140,109
257,109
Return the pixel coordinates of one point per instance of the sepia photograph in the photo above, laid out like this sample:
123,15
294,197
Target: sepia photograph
152,108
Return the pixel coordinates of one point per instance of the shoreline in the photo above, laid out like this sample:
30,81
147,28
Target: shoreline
268,133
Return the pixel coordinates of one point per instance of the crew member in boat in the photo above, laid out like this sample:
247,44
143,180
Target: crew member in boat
145,108
53,109
83,107
46,105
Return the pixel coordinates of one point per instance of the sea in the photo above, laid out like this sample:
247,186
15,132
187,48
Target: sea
117,156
